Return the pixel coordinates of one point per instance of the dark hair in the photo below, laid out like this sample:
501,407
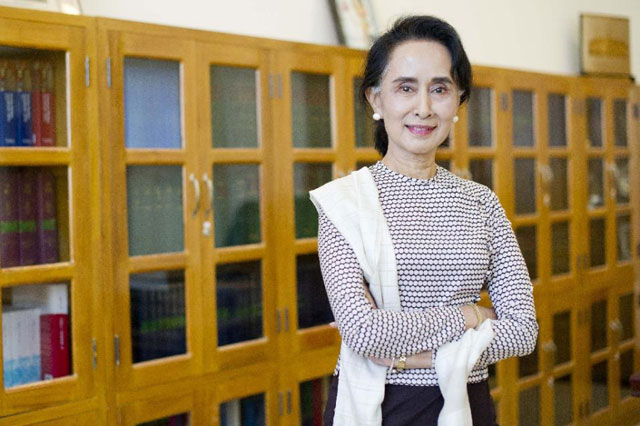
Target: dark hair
414,28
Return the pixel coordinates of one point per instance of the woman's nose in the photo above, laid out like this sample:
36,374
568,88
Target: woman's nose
423,107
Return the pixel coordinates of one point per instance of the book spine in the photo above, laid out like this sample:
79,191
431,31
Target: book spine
27,211
36,102
47,125
316,402
46,210
3,105
54,346
9,218
23,107
9,123
8,347
27,367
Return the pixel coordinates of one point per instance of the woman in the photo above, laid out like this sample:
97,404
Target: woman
447,238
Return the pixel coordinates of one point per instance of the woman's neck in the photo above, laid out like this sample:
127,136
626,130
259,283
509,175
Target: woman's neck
419,167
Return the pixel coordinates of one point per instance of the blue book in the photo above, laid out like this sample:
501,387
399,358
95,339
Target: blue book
8,122
24,126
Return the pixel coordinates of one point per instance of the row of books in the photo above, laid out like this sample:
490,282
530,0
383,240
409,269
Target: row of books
35,334
239,308
28,224
313,400
158,322
27,110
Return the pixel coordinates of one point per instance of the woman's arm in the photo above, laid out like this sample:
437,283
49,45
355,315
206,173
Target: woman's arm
378,332
510,291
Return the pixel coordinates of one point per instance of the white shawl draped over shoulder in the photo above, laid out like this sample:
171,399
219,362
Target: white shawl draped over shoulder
351,203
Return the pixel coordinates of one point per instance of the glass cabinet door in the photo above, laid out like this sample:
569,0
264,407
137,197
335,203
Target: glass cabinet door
157,198
600,356
473,149
608,212
237,230
560,389
46,228
481,139
317,148
625,355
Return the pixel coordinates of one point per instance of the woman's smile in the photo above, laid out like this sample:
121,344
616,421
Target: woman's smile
420,130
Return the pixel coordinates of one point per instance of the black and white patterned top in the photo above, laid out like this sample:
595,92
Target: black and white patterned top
450,237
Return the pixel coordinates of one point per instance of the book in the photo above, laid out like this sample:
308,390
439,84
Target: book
27,212
36,102
158,323
230,414
54,346
47,123
9,218
46,226
49,298
8,119
23,105
21,345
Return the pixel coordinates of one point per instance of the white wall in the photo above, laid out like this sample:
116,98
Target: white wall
539,35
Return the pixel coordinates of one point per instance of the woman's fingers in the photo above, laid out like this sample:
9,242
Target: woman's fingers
381,361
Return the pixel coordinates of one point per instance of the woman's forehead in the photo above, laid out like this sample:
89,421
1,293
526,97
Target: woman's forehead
420,59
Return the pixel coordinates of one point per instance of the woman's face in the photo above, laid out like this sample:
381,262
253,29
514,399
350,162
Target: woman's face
417,99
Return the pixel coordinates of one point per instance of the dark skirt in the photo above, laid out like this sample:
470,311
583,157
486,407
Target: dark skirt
421,405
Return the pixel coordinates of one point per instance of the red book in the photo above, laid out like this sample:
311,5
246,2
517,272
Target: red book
47,123
27,213
54,346
316,398
46,225
9,230
36,102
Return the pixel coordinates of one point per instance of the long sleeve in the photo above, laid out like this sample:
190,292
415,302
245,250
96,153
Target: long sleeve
376,332
510,291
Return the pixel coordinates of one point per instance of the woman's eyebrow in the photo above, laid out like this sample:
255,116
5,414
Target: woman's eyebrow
405,80
435,80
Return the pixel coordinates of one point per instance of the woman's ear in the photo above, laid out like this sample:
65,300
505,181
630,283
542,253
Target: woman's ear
373,97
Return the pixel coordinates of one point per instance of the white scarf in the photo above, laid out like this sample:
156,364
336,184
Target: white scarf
351,203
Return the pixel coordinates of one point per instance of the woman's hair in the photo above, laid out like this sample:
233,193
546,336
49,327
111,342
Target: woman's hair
426,28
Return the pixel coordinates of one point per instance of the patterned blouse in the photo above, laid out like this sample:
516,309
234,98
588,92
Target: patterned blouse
451,236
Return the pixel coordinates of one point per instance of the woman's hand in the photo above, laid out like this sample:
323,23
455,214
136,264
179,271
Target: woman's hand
420,360
488,313
471,318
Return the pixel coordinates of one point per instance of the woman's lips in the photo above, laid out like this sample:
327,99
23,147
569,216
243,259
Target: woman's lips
421,130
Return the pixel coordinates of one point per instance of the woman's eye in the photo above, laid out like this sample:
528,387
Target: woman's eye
440,90
405,89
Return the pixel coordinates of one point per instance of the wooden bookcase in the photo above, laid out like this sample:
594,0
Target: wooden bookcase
193,285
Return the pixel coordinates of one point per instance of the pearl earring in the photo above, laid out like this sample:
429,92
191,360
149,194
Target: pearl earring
455,119
376,116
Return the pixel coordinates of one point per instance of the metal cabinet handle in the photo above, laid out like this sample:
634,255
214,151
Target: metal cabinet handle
209,184
546,173
612,168
196,189
615,325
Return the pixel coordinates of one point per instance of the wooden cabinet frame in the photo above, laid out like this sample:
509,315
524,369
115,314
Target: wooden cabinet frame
275,364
